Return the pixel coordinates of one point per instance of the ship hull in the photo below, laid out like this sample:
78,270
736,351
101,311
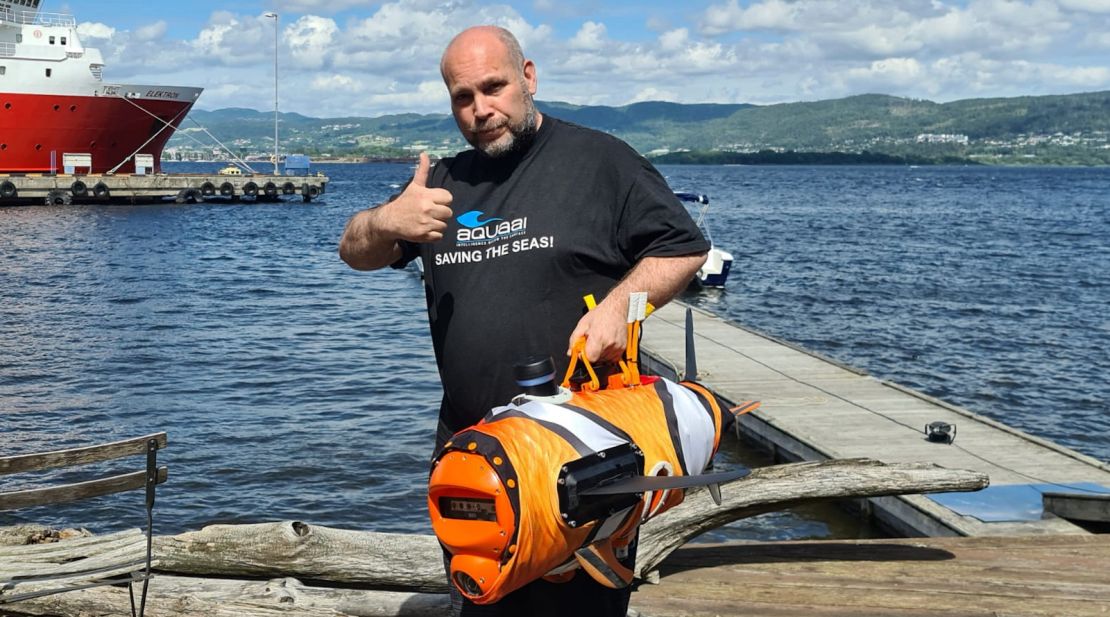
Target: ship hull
37,129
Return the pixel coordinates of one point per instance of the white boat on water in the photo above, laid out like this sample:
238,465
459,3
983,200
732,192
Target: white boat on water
717,265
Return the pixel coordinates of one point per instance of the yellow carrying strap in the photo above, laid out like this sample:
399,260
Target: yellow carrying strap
578,352
638,310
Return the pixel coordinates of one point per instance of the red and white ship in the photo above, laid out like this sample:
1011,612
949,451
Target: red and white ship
53,100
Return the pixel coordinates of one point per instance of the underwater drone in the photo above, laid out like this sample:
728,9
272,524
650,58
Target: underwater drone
562,477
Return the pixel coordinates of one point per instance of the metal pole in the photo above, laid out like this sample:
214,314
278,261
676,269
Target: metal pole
276,18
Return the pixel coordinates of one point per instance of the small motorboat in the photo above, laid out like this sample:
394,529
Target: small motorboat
717,265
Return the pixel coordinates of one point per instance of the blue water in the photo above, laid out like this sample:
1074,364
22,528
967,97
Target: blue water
295,388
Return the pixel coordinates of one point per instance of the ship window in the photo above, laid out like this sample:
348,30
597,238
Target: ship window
3,69
49,71
51,39
18,37
63,40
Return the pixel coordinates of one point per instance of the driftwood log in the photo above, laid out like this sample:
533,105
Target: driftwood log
310,570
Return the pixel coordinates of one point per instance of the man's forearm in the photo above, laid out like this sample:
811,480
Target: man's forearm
661,277
365,245
604,327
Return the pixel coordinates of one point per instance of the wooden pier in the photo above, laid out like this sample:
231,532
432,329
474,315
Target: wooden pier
815,408
1053,575
65,189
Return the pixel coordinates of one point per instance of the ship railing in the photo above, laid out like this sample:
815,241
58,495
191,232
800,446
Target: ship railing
56,19
36,18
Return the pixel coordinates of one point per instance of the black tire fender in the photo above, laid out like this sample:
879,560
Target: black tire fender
270,189
58,198
208,189
100,191
227,189
79,188
250,189
188,196
8,190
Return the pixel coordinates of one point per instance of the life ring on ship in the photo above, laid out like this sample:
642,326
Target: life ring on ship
250,189
8,190
58,198
79,188
208,189
227,189
288,188
187,196
100,191
270,189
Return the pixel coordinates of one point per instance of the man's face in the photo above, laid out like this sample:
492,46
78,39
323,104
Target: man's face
491,98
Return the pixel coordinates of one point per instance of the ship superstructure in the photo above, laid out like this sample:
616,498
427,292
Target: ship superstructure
54,101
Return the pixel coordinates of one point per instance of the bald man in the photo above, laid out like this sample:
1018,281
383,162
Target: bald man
512,235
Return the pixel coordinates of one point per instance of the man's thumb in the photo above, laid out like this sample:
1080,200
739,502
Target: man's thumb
420,178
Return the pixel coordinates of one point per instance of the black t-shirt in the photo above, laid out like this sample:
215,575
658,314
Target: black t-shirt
532,234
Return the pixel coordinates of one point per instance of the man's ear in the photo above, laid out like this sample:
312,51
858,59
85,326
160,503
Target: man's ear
530,76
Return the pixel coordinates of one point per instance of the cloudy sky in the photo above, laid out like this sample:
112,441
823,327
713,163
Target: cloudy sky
373,57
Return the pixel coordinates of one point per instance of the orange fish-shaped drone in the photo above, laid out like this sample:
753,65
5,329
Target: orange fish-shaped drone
562,477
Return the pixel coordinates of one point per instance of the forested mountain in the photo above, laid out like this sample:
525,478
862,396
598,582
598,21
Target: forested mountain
1074,125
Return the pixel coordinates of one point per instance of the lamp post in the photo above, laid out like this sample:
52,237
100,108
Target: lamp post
274,16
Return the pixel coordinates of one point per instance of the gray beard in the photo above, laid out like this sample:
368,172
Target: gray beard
520,137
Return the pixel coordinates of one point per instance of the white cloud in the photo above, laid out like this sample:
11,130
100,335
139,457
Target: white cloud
768,15
320,6
1088,6
653,94
591,36
900,71
151,32
674,39
232,40
95,30
332,82
311,40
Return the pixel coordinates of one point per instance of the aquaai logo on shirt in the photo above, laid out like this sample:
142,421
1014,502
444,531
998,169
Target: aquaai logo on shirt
474,230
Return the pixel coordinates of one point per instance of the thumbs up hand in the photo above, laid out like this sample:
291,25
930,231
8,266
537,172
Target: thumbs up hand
420,214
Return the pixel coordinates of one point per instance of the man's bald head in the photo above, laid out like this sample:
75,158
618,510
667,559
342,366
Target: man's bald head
488,39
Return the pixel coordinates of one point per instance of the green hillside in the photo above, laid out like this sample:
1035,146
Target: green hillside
1063,129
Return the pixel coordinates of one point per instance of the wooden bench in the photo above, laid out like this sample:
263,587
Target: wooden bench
37,570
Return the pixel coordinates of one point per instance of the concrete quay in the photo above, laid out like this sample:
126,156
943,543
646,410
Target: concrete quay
65,189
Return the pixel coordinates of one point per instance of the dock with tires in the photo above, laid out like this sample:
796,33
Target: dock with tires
65,189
